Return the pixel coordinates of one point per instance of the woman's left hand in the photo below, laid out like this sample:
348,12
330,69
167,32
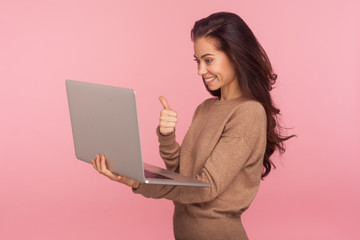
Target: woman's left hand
100,164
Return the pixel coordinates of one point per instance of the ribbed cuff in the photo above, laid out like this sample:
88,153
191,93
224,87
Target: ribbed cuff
165,140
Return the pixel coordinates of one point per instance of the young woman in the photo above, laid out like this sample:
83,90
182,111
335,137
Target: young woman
231,137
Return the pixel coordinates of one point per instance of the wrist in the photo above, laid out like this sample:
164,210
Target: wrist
136,186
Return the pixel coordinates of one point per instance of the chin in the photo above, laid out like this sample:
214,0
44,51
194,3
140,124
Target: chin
213,88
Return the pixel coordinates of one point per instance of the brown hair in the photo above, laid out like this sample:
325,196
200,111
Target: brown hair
253,69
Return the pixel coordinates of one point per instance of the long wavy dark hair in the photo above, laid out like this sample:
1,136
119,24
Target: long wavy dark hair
253,69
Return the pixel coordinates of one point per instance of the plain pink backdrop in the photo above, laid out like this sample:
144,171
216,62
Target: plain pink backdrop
47,194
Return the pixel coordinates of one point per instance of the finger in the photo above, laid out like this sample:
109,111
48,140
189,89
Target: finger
97,162
168,119
104,169
167,124
166,131
164,103
93,162
168,112
104,165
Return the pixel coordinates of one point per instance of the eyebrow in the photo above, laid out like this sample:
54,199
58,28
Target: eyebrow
205,55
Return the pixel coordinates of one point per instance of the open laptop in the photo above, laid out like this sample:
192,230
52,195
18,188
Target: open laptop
104,120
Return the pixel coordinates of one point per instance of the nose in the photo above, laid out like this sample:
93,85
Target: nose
201,69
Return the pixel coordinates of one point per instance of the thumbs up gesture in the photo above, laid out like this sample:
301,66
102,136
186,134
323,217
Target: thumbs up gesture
168,118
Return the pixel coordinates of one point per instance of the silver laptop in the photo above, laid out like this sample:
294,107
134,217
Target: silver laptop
104,120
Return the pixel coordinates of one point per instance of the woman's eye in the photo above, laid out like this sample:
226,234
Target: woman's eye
208,60
196,60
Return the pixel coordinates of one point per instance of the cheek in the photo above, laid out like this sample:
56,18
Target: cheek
219,69
232,69
227,70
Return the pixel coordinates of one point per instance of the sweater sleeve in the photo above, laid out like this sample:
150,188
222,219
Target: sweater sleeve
230,155
169,149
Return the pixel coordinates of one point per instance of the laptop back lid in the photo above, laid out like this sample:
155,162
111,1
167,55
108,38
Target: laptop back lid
104,120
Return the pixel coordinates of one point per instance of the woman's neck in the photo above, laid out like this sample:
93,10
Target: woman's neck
231,91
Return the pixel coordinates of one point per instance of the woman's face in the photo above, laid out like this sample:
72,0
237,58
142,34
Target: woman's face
214,66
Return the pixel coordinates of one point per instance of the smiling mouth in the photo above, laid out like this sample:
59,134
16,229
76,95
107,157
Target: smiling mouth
209,80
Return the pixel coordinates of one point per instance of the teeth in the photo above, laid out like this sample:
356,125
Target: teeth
209,79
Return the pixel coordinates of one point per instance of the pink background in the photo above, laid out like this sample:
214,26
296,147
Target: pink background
47,194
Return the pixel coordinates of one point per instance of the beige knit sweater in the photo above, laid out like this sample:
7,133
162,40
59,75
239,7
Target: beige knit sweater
224,146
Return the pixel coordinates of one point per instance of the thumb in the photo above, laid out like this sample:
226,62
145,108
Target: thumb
164,103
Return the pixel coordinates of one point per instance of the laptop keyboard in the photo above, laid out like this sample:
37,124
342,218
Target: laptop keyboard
149,174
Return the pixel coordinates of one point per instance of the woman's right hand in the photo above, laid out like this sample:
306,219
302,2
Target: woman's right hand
168,118
100,163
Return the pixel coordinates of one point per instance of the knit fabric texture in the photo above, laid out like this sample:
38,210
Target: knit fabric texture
224,146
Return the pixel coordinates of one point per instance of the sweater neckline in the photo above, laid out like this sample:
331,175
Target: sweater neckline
218,102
